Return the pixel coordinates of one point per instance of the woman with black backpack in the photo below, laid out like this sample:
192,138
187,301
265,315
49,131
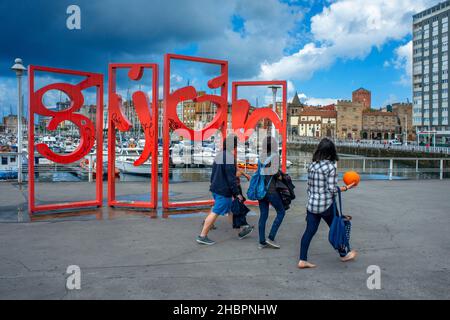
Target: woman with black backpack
322,188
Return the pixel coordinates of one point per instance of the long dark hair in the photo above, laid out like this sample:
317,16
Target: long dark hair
326,150
270,144
230,142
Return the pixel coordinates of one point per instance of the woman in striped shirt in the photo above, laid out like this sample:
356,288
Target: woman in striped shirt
322,187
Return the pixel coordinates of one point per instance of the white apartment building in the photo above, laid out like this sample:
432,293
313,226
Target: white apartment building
430,73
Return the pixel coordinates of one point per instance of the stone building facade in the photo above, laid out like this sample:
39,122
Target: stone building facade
379,125
10,123
404,113
317,122
349,119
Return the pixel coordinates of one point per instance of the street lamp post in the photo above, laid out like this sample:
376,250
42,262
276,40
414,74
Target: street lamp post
274,105
19,69
406,129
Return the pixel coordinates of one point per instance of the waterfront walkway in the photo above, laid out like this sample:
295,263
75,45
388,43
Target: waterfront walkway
401,226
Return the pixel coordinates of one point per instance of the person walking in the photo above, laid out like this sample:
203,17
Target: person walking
322,188
270,165
224,187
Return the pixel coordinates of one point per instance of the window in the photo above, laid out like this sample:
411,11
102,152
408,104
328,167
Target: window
12,159
4,160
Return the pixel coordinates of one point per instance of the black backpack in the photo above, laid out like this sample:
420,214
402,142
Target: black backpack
285,189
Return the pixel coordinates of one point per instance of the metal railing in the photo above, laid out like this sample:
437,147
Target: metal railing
384,168
378,145
388,168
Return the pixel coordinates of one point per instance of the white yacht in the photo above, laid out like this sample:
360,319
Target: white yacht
8,166
126,158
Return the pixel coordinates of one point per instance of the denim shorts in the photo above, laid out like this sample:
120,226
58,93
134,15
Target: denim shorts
222,205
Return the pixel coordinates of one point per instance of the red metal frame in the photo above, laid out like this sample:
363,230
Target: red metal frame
240,118
149,121
171,120
88,134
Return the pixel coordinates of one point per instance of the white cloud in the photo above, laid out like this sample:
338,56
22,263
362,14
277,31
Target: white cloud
403,60
9,96
311,101
266,33
300,65
290,88
392,98
346,29
320,101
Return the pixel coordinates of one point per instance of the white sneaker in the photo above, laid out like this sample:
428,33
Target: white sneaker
262,246
272,244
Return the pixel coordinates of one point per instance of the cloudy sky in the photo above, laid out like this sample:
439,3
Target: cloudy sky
324,48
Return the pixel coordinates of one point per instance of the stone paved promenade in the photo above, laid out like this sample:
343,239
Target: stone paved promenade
401,226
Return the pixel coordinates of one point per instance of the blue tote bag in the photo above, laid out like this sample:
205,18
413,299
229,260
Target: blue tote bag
339,236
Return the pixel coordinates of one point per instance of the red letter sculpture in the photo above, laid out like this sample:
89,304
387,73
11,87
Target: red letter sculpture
243,123
172,121
89,134
148,117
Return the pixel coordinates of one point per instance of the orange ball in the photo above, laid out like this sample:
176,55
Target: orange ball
351,177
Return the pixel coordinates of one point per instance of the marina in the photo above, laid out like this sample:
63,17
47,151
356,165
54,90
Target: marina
188,162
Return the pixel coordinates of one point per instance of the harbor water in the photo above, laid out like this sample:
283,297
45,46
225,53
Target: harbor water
369,169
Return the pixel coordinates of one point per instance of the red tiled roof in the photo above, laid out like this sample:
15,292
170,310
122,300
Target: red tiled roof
321,113
330,107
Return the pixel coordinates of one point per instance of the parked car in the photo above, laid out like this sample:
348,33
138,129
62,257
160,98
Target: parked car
395,142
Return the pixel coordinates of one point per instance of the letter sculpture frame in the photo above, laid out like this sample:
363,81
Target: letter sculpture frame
241,119
172,121
89,134
118,121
